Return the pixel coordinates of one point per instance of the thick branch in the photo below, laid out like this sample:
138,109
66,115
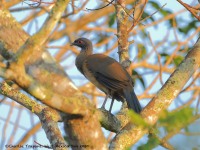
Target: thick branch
162,100
47,81
50,126
122,32
35,42
109,121
48,116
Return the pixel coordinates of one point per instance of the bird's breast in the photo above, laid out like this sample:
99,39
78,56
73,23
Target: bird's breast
91,77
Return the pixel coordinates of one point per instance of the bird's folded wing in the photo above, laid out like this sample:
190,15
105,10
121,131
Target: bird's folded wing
108,71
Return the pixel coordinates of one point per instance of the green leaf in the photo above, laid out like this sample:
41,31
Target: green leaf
158,7
111,20
165,12
171,22
151,143
164,56
141,51
138,77
188,27
177,60
172,121
145,14
154,4
137,119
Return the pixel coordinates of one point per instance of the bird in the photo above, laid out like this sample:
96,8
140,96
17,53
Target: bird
107,74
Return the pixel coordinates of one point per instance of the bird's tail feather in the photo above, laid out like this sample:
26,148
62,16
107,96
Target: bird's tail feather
132,100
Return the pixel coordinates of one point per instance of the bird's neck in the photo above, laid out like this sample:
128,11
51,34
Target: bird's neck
87,50
82,57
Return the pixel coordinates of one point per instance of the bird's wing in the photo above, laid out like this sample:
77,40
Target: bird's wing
108,71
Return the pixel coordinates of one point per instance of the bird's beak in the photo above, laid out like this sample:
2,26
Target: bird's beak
72,44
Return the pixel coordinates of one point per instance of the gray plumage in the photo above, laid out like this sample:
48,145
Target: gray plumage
107,74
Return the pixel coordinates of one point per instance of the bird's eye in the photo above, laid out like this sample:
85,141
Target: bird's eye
79,42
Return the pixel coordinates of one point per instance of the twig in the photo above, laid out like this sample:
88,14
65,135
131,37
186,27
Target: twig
154,12
23,8
197,106
159,62
171,134
5,127
190,83
101,7
189,8
36,3
29,134
175,29
71,13
16,126
162,142
138,18
2,100
191,133
48,147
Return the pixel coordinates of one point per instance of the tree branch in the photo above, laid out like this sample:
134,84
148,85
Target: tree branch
35,42
190,9
54,87
161,101
122,32
48,116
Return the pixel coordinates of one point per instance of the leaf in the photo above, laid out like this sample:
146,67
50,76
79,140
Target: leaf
137,119
164,57
141,51
151,143
172,121
165,12
137,76
188,27
145,15
154,4
177,60
170,21
111,20
158,7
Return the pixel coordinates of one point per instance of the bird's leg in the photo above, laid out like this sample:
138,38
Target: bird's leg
104,103
111,104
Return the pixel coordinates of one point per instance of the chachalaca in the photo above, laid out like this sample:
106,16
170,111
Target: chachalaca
107,74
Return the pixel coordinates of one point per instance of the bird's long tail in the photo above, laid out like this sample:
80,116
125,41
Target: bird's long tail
132,100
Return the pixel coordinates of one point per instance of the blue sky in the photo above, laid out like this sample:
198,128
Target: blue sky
24,121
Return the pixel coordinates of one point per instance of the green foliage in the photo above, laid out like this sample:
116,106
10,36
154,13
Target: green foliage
172,22
164,55
163,12
172,121
151,143
137,76
143,35
111,20
145,15
176,59
189,26
137,119
141,51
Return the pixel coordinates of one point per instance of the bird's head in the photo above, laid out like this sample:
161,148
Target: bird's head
83,43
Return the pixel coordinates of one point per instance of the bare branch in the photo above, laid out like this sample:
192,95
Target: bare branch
190,9
162,100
